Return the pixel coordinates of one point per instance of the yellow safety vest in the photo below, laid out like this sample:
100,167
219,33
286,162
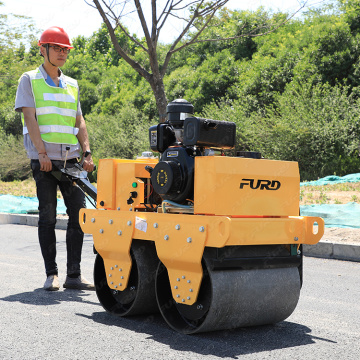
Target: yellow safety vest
55,109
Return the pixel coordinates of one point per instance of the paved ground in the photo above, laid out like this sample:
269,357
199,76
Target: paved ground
71,324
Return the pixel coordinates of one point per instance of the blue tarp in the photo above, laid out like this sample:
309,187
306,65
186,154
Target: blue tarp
27,205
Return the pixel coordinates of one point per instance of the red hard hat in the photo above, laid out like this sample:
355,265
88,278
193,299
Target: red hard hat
55,35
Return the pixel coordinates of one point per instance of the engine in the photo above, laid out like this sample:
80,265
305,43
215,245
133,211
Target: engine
182,137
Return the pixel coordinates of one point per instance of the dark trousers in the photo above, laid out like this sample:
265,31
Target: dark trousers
46,187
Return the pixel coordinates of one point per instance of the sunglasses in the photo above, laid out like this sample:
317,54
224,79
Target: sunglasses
59,49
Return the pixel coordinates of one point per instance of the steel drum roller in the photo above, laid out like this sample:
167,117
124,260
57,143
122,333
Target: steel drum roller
232,298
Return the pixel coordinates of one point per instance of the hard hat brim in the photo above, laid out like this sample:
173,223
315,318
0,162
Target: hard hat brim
54,43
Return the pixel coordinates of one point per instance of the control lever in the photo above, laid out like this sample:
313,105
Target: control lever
66,155
133,195
87,153
149,169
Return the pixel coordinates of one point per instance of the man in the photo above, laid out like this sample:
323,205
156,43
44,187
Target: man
54,129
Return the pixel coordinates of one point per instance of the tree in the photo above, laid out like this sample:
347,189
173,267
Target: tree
200,15
14,29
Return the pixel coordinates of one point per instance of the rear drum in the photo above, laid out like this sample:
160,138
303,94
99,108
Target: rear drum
139,296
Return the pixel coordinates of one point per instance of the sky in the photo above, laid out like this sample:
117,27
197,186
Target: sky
78,18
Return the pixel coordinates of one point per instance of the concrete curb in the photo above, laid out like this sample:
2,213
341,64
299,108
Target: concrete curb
323,249
329,250
30,220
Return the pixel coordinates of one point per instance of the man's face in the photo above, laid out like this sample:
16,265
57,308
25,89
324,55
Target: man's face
57,54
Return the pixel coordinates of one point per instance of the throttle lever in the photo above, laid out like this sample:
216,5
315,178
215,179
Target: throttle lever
66,155
86,154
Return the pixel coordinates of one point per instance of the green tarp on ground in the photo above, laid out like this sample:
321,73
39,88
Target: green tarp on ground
335,215
333,179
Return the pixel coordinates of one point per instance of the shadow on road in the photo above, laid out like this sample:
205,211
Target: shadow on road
42,297
225,343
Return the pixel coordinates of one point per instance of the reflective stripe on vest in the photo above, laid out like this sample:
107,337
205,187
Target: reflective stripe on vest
55,109
59,97
44,129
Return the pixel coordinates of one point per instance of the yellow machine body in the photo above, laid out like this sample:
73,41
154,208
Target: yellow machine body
237,202
226,186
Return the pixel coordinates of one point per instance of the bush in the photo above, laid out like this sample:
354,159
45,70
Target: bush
316,126
124,135
10,121
14,164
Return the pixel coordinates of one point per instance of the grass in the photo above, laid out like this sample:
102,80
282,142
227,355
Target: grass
20,188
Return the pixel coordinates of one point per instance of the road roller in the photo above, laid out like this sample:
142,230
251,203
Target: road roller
210,241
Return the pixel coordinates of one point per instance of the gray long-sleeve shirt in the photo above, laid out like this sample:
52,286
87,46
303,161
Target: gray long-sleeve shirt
25,98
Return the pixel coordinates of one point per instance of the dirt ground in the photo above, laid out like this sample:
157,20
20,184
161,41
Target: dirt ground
341,193
342,235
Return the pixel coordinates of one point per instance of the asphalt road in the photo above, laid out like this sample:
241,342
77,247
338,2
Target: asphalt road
71,324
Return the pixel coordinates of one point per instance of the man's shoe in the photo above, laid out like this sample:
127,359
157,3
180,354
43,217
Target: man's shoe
79,283
52,283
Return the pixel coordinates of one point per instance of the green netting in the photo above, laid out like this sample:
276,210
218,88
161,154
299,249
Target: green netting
335,215
333,179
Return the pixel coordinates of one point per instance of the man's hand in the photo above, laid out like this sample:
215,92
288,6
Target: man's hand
88,164
86,160
35,136
45,162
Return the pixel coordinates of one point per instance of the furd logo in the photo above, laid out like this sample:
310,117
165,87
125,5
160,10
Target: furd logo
260,184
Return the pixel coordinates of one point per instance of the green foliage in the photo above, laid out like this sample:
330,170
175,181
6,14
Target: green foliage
124,135
319,127
351,11
100,43
211,80
231,24
14,60
89,95
14,164
10,121
316,126
16,30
